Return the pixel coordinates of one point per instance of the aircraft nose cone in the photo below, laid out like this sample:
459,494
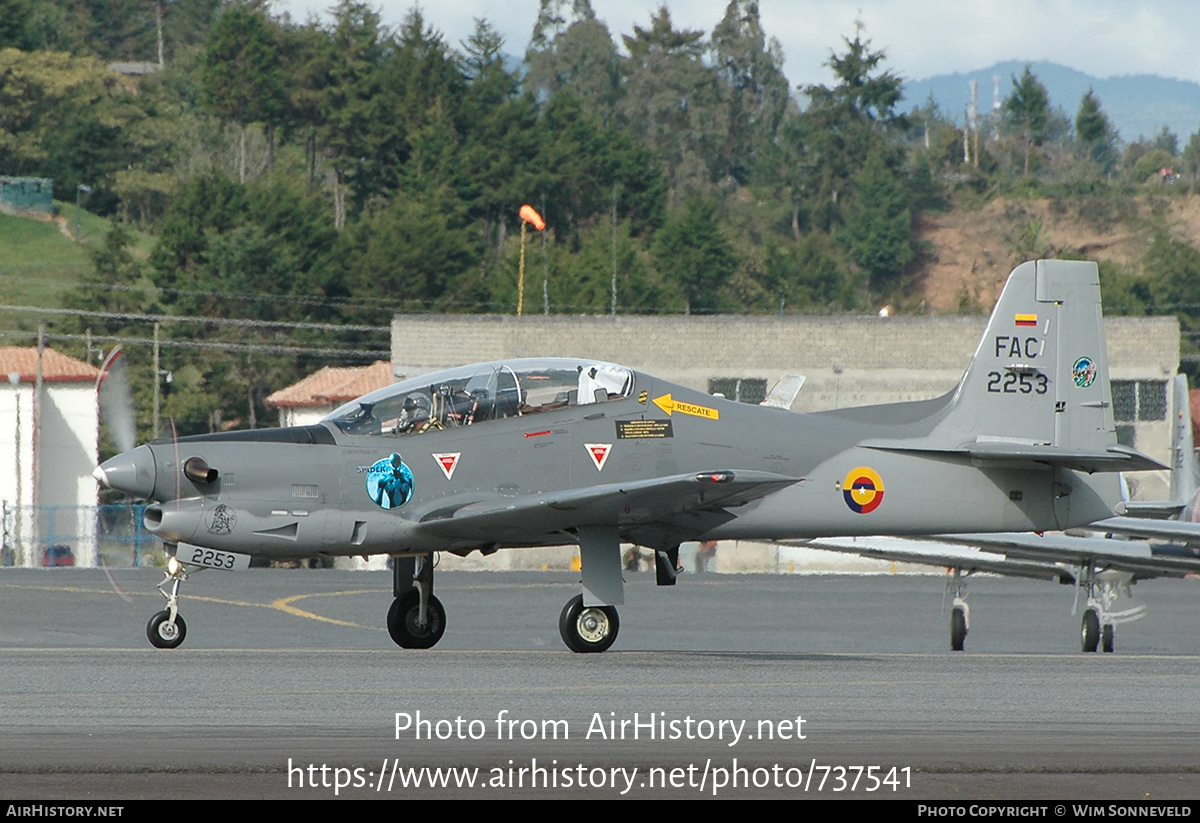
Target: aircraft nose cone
131,472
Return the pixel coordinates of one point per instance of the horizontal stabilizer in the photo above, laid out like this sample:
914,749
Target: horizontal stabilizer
1114,458
1179,530
1152,509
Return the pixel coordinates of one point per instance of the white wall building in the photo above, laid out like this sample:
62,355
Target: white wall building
48,449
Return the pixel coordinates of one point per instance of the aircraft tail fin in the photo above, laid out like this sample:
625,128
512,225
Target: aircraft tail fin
1184,473
1037,388
1040,374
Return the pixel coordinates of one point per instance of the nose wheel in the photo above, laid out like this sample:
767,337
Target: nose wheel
405,626
588,628
416,619
166,629
165,632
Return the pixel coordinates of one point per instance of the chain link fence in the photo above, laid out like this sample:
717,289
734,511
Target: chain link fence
112,535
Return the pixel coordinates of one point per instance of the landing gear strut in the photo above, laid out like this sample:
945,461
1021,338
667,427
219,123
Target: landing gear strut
416,619
589,621
166,629
1098,631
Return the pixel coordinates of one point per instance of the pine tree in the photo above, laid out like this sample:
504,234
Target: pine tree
691,252
1028,106
878,228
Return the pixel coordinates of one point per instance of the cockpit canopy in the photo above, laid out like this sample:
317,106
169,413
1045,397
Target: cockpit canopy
470,395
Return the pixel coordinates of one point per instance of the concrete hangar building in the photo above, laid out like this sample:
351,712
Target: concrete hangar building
847,361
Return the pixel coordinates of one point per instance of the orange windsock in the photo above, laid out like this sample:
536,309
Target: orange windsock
530,216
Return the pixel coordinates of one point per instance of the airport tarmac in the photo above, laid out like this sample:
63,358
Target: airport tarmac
787,686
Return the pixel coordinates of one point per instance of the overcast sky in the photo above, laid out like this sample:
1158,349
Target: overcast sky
922,37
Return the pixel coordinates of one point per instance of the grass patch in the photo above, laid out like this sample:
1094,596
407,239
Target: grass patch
39,262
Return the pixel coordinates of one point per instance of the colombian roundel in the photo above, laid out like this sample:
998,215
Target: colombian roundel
863,490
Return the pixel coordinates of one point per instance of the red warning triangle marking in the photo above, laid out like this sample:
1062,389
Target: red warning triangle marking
599,453
448,461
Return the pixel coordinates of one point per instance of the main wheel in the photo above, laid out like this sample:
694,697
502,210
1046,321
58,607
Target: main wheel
1091,630
587,628
958,630
402,621
164,634
1107,637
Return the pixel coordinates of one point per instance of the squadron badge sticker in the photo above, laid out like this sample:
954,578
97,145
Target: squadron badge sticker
863,490
221,520
1084,372
390,482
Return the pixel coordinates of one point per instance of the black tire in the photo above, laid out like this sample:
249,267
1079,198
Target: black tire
402,622
1091,630
162,633
958,630
1107,638
588,629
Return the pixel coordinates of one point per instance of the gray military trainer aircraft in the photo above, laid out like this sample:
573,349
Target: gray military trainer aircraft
546,451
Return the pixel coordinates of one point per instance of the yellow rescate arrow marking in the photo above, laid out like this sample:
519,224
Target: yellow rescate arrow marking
668,405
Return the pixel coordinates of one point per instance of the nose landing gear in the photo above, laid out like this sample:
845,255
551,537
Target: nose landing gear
166,629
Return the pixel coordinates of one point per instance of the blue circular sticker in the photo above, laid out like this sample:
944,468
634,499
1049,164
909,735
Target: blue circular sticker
390,482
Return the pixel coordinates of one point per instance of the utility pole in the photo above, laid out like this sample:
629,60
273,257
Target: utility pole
975,123
613,310
156,379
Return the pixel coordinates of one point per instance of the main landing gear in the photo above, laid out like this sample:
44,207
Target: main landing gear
588,622
416,619
1098,630
166,629
960,612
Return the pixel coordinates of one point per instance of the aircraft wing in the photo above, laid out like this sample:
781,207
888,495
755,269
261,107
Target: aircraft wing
1134,556
967,558
670,509
1176,530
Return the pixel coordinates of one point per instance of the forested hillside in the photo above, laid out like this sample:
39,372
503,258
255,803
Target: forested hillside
315,177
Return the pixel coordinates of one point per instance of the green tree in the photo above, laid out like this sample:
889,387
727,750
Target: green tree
1191,160
1028,109
691,252
1167,141
878,229
241,73
14,19
1172,269
843,124
754,92
417,251
1096,133
671,101
574,53
36,88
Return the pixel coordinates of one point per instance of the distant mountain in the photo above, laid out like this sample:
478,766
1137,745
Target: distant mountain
1137,105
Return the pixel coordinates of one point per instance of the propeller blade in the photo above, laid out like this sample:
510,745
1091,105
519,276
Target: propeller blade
116,400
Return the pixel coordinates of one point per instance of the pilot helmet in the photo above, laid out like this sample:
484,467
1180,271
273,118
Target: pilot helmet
417,407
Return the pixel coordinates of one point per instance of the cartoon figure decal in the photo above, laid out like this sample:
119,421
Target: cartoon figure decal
221,520
390,482
863,490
